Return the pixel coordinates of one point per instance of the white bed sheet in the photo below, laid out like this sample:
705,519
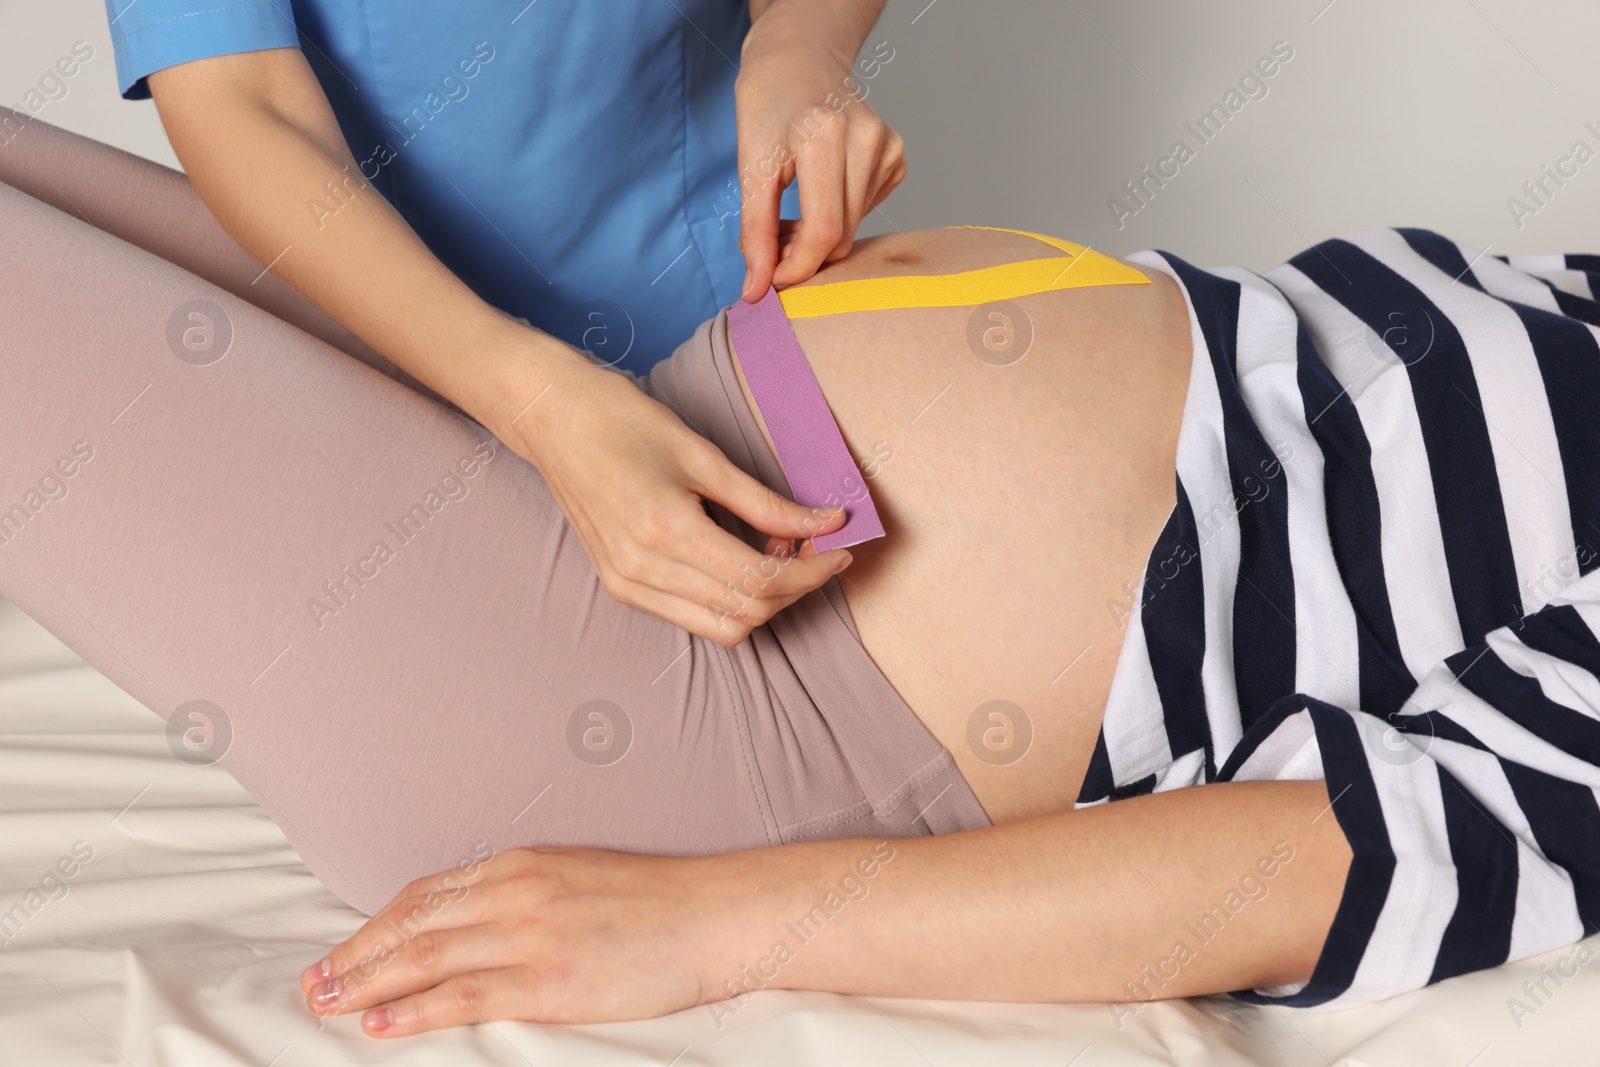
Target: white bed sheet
181,941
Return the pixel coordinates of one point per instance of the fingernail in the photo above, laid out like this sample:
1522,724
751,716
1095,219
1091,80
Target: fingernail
747,277
325,993
844,562
827,513
318,971
380,1018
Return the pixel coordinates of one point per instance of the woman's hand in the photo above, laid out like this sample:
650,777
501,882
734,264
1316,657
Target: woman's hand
630,476
801,113
547,935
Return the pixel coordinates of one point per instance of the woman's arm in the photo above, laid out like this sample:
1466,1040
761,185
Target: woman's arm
801,112
1200,890
260,144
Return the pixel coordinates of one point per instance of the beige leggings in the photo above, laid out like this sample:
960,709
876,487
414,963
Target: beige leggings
370,611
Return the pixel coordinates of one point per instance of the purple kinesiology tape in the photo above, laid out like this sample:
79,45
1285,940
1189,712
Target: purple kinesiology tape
820,469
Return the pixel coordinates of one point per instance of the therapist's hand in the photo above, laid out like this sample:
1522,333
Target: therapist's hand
630,476
254,131
802,114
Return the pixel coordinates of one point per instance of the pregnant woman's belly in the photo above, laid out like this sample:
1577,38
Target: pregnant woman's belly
1021,458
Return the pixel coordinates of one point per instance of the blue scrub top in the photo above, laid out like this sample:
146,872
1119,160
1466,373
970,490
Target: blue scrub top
574,161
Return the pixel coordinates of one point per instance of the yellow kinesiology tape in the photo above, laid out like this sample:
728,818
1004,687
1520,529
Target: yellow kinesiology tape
1080,266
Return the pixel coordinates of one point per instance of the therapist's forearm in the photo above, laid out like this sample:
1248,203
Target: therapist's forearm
1086,905
260,144
840,26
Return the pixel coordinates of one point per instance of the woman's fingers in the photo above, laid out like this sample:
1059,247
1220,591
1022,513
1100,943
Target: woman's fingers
360,958
472,997
420,962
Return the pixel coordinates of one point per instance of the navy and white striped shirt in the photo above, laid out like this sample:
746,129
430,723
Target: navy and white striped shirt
1380,572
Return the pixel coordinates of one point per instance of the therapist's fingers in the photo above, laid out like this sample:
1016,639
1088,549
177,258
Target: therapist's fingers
707,581
726,624
764,509
758,221
820,170
751,598
861,166
872,174
723,613
706,473
889,173
717,571
736,574
887,183
683,567
683,580
886,177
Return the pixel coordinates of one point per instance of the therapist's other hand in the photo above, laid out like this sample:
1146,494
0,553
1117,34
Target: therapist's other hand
630,476
802,114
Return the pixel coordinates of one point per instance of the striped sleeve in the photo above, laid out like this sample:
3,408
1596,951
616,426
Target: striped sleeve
1469,798
1473,814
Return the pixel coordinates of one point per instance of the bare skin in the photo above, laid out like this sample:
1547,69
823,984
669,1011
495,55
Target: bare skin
1016,505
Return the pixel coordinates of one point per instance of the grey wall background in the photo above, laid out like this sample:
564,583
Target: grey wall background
1033,113
34,34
